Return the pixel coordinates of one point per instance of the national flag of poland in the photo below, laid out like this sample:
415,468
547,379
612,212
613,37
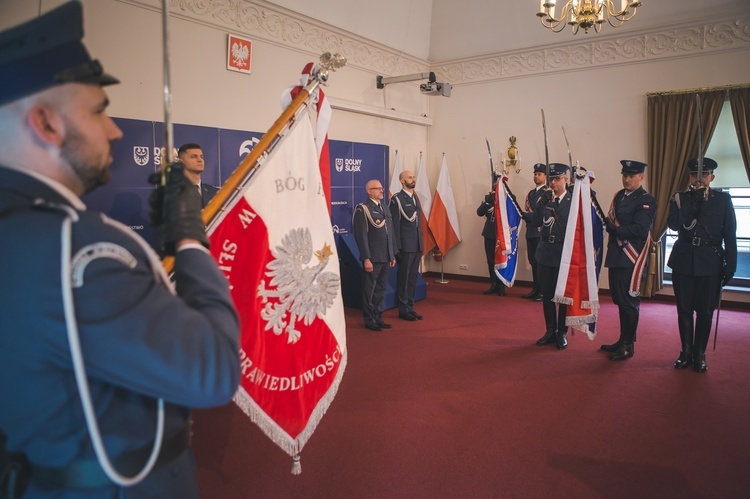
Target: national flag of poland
275,245
577,285
323,120
422,189
443,215
395,184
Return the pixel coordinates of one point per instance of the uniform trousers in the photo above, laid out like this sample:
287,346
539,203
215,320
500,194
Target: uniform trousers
406,280
699,294
554,313
374,285
489,251
531,246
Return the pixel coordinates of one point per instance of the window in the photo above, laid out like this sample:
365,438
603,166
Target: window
732,178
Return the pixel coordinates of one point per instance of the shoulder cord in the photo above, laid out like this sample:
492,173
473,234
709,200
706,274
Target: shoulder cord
413,216
80,370
368,215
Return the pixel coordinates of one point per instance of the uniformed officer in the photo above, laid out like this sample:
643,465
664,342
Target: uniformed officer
703,259
487,210
630,218
533,232
89,318
405,212
373,232
552,215
191,156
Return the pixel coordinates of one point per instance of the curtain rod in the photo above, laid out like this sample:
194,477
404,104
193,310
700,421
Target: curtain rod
694,90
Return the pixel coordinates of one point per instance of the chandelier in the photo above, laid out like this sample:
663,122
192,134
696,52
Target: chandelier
586,14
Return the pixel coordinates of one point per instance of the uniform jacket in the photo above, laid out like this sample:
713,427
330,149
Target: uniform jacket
707,234
377,245
139,341
208,191
636,214
408,235
553,220
532,200
487,210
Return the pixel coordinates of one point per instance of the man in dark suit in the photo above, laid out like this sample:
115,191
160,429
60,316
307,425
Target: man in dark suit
552,215
191,155
703,259
630,218
405,210
373,232
89,318
487,210
533,232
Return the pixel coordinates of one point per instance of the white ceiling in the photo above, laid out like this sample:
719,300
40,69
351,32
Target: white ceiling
441,30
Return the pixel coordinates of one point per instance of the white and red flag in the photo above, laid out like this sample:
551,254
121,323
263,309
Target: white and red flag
577,285
443,215
422,189
507,221
395,184
275,245
324,113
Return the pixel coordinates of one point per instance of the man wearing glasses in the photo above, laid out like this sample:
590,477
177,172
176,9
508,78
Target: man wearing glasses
373,232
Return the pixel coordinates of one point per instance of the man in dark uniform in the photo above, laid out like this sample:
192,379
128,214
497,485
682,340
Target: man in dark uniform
552,215
630,218
373,232
487,210
405,210
533,231
114,336
191,155
703,259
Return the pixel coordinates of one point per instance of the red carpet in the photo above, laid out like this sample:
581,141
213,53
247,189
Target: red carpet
463,404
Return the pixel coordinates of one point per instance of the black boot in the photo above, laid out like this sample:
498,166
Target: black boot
702,333
531,294
685,325
501,289
627,338
614,346
562,339
491,290
548,338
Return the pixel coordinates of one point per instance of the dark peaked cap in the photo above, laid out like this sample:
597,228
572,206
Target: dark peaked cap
45,52
631,167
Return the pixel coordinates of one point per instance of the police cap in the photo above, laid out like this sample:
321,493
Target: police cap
540,167
45,52
708,165
558,170
630,167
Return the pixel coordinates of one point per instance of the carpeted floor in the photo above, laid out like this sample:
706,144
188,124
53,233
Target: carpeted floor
463,404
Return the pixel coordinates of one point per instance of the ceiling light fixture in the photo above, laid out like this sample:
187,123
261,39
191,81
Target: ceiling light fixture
586,14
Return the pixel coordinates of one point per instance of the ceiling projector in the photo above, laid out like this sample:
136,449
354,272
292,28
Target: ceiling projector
436,88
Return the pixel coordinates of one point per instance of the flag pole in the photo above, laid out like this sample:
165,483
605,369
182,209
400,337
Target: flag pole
257,156
442,279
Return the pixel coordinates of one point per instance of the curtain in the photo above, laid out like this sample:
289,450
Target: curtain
672,142
739,98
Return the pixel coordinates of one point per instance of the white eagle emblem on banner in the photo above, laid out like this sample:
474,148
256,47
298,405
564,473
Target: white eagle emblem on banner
140,155
299,290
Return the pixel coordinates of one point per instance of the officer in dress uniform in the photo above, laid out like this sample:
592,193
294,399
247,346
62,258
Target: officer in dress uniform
191,156
552,215
703,259
373,232
487,210
405,211
84,295
630,218
533,232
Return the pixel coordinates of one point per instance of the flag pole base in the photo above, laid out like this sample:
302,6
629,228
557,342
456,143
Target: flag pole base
441,280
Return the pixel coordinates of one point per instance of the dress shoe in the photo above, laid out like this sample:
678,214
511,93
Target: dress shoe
685,359
538,298
611,348
531,294
416,315
373,327
562,341
407,317
384,325
547,339
501,291
699,363
491,290
623,352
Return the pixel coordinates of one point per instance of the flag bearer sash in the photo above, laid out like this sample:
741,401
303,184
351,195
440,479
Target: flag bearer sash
638,259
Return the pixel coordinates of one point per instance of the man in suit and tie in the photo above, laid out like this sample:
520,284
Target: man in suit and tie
405,211
373,232
552,215
191,156
630,218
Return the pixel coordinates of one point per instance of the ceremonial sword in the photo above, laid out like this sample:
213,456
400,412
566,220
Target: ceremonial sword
546,147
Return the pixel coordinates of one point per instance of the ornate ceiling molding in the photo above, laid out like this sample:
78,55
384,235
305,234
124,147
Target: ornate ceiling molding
273,24
644,47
